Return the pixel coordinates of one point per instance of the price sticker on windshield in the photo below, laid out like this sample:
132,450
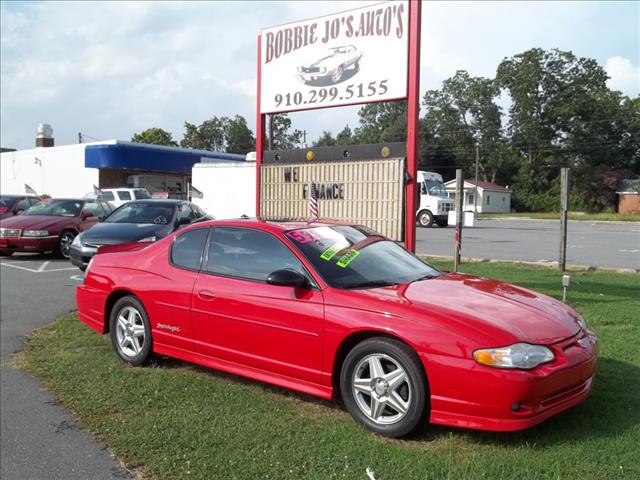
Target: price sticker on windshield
347,258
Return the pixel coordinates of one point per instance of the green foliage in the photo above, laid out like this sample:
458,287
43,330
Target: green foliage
283,137
155,136
173,420
220,134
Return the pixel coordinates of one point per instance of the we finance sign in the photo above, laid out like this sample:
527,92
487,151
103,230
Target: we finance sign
358,56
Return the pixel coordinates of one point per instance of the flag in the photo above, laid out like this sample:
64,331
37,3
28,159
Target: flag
29,190
97,191
313,200
194,192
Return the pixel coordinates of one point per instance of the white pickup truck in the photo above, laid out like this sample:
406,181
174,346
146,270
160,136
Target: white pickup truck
434,205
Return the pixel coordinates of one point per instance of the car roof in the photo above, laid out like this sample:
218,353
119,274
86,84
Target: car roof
273,226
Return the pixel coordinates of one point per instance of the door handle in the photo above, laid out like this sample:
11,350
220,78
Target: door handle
206,295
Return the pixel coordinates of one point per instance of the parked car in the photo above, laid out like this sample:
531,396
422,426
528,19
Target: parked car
50,225
327,309
136,221
331,67
11,205
120,196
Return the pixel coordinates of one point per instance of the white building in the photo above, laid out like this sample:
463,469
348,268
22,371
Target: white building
492,198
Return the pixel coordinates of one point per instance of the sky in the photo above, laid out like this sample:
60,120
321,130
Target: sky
112,69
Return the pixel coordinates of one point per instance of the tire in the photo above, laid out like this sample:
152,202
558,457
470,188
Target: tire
356,67
5,253
401,401
442,223
64,243
425,218
130,331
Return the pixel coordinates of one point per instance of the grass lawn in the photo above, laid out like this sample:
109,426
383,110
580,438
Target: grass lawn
172,420
628,217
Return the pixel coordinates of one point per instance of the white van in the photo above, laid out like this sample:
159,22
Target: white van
120,196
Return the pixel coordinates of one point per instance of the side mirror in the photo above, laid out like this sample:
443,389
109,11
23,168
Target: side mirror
86,215
287,277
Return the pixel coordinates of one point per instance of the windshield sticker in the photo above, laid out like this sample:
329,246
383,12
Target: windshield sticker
330,252
300,236
347,258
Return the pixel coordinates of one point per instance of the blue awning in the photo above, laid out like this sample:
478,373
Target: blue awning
142,156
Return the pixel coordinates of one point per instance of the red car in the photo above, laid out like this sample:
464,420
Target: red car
327,309
50,226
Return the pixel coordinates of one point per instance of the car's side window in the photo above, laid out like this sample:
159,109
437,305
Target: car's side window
247,253
124,195
187,248
108,196
93,207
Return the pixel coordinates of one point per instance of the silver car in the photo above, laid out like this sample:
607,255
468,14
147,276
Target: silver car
330,69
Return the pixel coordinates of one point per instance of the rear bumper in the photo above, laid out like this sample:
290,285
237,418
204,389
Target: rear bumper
487,398
28,244
90,302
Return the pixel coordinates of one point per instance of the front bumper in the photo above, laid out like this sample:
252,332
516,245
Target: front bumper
488,398
81,255
29,244
313,77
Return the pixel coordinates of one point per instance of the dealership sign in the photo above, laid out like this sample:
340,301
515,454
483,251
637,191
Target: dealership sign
357,56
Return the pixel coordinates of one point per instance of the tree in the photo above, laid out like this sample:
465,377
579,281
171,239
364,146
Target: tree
209,135
325,140
283,138
382,122
154,136
238,136
345,137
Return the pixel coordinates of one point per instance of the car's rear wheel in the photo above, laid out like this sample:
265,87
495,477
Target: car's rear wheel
384,387
64,243
130,331
425,218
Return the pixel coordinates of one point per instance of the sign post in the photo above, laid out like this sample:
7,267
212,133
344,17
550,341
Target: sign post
459,205
365,55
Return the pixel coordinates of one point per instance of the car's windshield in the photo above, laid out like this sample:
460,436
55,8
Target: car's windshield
436,188
56,208
143,212
356,257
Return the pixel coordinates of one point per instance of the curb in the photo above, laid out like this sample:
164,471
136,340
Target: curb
531,219
539,263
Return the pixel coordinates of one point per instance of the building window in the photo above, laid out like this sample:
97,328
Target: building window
503,200
471,199
488,199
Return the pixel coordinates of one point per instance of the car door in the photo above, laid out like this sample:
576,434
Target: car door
238,317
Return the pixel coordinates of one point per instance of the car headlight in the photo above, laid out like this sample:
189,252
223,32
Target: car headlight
581,321
77,241
518,355
35,233
152,238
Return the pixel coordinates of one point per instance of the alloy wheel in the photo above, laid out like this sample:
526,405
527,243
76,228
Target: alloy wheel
130,331
381,389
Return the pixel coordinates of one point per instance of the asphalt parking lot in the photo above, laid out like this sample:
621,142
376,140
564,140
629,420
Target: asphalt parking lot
591,244
39,438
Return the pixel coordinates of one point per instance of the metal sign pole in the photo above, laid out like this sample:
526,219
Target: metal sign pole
413,125
564,209
260,130
459,206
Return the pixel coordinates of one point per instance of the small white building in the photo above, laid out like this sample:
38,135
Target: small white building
492,198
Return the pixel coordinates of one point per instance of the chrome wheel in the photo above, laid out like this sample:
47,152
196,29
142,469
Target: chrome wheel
130,331
381,389
66,239
337,74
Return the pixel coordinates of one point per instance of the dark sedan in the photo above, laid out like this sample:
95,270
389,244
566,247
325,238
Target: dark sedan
50,226
135,221
11,205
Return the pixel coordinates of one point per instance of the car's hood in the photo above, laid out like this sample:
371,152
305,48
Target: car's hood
498,310
34,222
113,233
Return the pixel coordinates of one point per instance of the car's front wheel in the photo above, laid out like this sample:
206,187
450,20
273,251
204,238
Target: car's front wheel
425,218
384,386
130,331
337,74
64,243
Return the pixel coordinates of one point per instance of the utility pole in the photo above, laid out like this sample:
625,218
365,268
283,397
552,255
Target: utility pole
565,187
79,137
459,206
475,195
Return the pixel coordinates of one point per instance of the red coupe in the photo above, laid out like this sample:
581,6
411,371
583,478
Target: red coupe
327,309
